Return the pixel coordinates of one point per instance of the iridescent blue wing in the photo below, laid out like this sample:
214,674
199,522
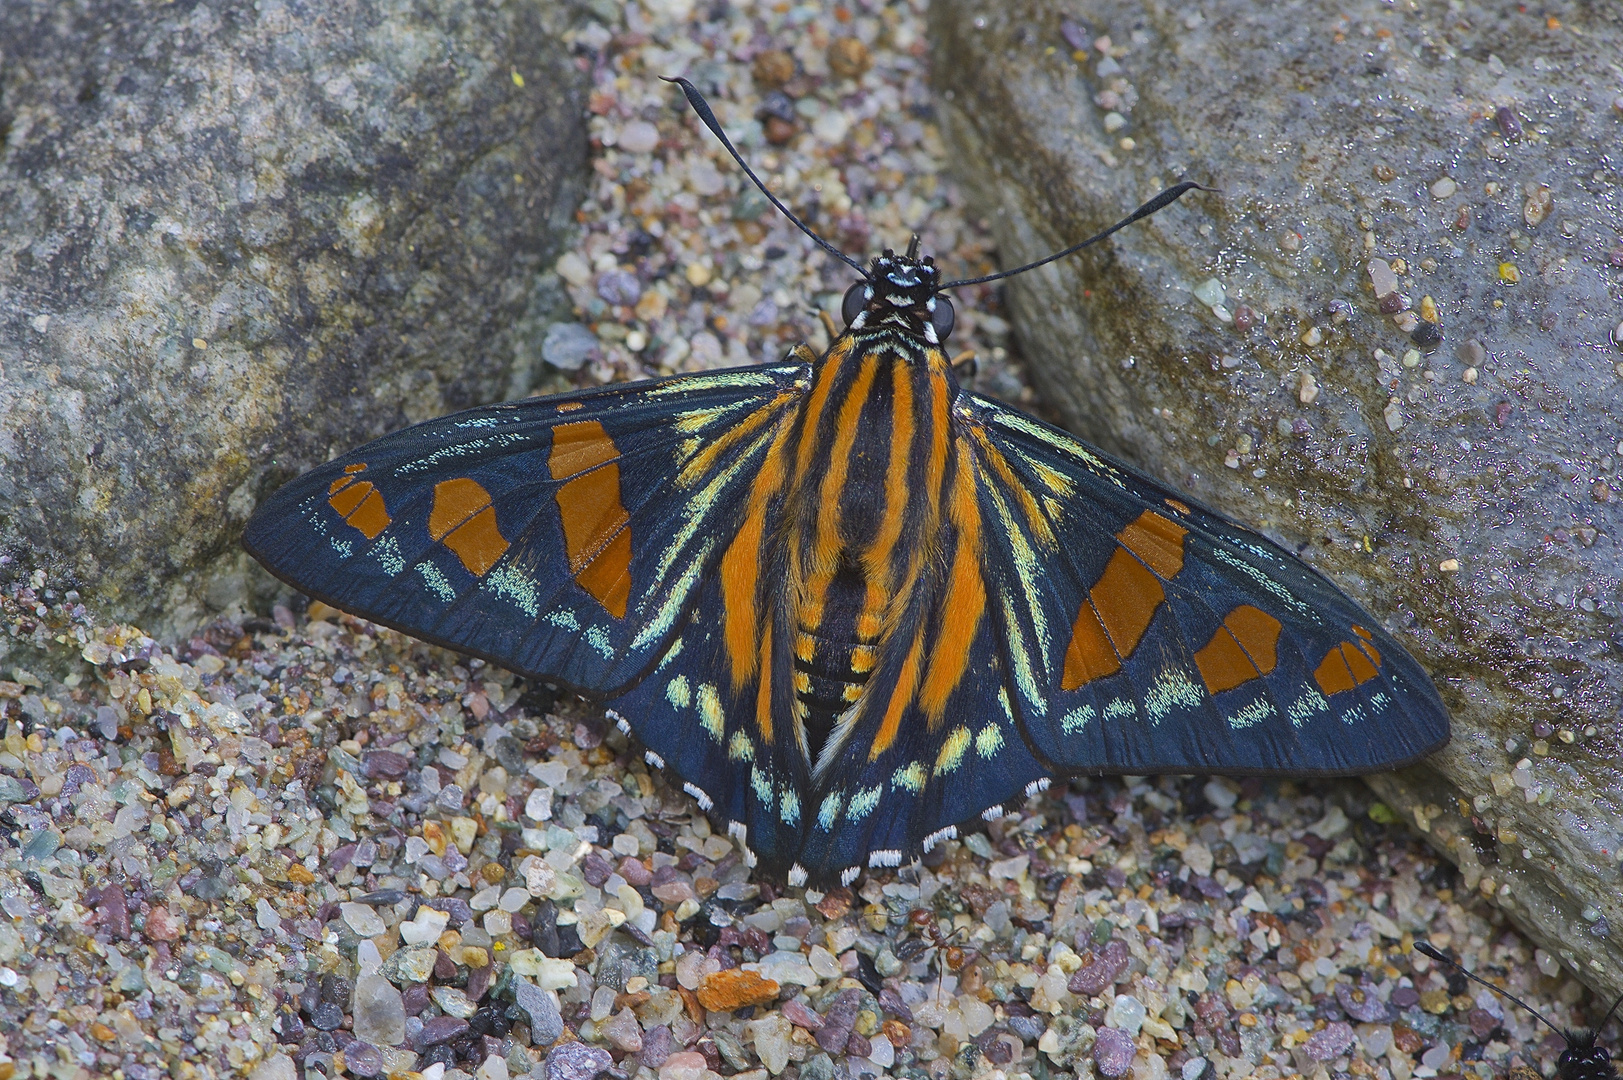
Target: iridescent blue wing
1146,635
563,537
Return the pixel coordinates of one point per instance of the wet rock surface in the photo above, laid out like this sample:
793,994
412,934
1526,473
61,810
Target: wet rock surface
1390,342
231,244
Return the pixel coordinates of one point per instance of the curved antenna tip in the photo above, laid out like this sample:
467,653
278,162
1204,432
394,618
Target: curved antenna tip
708,118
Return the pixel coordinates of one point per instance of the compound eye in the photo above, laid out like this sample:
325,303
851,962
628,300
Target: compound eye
855,298
943,318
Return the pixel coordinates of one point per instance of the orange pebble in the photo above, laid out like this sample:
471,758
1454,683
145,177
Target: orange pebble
734,988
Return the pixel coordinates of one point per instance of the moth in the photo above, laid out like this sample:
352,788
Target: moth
1581,1059
851,604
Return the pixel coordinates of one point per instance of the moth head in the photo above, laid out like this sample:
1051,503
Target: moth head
901,290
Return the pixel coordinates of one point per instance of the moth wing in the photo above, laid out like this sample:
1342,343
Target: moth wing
563,537
1146,635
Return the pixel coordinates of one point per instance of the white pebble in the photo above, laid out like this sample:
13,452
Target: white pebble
1444,188
639,137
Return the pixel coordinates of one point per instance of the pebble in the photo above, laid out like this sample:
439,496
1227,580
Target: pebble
734,988
638,137
379,1011
567,346
363,1059
686,1065
363,920
622,1031
577,1061
1382,278
440,1029
1113,1051
1109,964
1444,188
1210,292
546,1023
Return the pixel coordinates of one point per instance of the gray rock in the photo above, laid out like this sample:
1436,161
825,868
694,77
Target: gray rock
546,1024
1235,346
232,244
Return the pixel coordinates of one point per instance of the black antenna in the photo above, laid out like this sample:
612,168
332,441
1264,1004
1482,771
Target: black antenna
1427,949
702,107
1160,202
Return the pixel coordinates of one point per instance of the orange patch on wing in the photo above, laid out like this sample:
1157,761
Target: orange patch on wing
1245,647
608,576
464,521
360,504
579,446
1156,540
1119,607
1089,655
1343,668
597,536
570,406
597,540
1126,597
964,602
1180,507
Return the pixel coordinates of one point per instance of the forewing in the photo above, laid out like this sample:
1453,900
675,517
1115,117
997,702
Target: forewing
563,537
1147,635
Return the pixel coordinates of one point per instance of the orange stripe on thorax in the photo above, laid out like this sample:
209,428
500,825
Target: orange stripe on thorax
820,562
876,560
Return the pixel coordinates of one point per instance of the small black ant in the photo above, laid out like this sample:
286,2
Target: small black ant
1581,1060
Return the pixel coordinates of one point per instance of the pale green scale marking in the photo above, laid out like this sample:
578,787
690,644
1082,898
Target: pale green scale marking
761,782
829,812
1309,704
1263,579
387,553
864,802
563,619
677,693
1121,709
436,581
789,807
1016,422
989,741
343,547
731,381
739,747
1250,716
953,750
910,777
516,587
1171,688
1025,566
675,651
598,638
710,714
656,627
1077,719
